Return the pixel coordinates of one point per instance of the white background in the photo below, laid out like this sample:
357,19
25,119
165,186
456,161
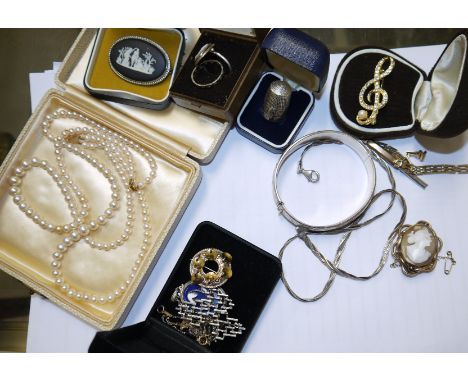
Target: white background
389,313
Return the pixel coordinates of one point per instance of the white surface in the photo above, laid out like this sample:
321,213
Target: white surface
389,313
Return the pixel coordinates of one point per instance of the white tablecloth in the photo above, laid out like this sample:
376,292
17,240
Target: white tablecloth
389,313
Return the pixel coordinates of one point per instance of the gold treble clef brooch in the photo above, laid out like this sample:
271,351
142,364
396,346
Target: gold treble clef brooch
380,95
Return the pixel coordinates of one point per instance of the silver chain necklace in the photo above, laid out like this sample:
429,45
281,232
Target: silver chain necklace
346,226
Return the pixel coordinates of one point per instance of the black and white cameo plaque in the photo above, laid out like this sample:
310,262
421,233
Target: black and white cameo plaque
139,60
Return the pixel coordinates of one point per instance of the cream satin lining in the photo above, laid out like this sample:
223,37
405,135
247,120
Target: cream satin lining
197,133
436,97
27,248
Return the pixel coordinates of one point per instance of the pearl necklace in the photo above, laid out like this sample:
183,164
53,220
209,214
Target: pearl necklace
118,149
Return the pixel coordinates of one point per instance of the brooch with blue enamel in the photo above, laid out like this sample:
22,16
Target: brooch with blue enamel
202,306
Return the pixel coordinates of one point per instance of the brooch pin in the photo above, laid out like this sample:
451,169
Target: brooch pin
380,95
202,306
417,248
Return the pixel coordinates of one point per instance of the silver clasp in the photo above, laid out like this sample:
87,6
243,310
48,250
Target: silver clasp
311,175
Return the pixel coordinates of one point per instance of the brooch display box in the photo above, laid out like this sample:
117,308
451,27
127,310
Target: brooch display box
224,99
134,66
177,139
432,104
303,62
255,274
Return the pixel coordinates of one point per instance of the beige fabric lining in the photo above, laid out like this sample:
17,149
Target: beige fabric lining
27,249
436,97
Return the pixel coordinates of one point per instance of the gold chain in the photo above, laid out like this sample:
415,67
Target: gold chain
440,169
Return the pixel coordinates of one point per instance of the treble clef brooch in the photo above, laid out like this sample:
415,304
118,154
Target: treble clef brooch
380,95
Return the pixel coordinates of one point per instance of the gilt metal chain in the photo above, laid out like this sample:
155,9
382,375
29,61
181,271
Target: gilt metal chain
440,169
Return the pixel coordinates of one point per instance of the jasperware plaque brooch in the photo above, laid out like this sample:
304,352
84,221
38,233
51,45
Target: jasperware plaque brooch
139,60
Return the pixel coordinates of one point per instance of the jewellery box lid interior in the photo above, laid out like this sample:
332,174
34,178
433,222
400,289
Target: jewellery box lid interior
179,129
298,56
435,103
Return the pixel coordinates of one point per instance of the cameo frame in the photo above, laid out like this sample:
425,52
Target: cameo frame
408,267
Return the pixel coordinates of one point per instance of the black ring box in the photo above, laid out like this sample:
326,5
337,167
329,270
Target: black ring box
431,104
255,275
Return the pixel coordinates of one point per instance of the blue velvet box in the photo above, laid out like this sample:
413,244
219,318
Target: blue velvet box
303,62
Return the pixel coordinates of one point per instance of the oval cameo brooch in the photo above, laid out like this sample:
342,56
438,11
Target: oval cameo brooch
139,60
417,248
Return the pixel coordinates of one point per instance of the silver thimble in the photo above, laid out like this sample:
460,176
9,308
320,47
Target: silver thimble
277,100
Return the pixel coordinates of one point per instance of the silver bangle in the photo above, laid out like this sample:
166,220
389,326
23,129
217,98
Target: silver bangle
207,84
346,226
327,136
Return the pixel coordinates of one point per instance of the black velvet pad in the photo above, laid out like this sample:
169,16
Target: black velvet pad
237,51
275,132
255,274
399,84
150,336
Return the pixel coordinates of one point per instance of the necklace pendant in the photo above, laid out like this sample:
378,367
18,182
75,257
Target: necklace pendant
417,249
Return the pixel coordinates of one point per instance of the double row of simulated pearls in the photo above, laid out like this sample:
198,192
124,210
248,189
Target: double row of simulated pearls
80,141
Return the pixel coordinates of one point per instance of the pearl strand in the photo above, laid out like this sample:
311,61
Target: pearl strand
117,149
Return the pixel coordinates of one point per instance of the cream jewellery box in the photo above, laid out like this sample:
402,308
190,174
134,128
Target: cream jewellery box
178,141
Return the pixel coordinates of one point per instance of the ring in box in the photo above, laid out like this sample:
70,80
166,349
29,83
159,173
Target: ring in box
224,99
432,104
255,274
178,139
134,66
303,62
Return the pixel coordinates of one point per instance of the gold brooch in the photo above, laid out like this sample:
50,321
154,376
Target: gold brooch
203,307
380,95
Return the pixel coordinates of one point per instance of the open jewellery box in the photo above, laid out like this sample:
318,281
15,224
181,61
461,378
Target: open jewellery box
432,104
303,62
224,99
255,274
178,139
